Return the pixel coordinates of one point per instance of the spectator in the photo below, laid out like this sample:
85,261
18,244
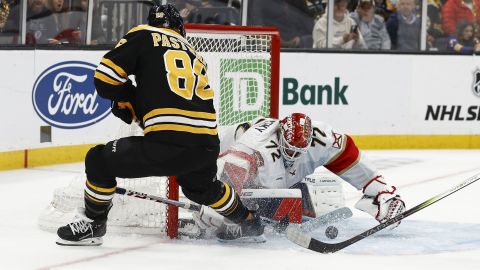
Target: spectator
292,17
75,27
41,26
464,41
404,27
455,11
436,38
316,8
61,19
434,12
4,13
211,12
185,7
345,31
431,39
10,21
384,8
372,26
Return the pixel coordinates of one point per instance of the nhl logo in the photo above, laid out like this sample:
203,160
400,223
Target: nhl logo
476,82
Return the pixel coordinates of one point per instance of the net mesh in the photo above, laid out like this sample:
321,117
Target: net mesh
128,214
239,70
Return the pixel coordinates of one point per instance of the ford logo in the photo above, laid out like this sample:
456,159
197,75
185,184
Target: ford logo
64,96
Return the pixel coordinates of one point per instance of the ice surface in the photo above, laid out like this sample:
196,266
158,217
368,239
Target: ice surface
445,235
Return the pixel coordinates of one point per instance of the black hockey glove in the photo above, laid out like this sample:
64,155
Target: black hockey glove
124,111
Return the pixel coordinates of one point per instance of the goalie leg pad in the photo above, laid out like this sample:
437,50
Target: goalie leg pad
325,192
274,204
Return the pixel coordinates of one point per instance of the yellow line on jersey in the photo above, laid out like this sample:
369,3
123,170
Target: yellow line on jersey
104,78
175,111
181,128
119,70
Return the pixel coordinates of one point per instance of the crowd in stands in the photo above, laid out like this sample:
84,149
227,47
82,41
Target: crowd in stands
9,22
357,24
47,22
372,24
55,22
452,25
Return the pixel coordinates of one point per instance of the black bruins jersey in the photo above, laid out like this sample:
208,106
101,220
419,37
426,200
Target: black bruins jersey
173,97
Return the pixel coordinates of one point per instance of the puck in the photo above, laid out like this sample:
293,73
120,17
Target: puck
331,232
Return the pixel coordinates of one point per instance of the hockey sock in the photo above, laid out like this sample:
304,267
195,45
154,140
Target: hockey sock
98,200
230,206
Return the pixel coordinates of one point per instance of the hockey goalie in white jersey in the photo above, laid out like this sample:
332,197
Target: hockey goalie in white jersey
278,154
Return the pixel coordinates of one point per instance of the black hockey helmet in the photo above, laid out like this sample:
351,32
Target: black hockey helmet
166,16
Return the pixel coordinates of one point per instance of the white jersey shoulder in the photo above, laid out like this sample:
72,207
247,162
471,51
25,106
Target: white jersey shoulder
262,141
326,144
259,133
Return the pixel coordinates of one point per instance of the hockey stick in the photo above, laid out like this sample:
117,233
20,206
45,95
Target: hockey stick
334,216
295,235
186,205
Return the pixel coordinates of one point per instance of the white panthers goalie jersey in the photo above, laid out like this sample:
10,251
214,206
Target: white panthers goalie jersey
255,160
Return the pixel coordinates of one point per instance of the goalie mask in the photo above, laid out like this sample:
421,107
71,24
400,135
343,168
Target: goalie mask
295,136
166,16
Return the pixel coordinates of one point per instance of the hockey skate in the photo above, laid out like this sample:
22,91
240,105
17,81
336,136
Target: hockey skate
248,231
82,231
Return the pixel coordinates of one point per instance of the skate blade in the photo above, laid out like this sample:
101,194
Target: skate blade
97,241
243,240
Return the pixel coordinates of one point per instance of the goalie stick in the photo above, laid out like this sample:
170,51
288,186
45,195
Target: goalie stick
333,216
185,205
325,219
299,237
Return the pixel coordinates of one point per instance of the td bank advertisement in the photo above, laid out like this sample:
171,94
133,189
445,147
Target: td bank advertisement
367,94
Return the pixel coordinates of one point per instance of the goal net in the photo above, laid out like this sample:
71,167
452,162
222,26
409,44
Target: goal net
243,69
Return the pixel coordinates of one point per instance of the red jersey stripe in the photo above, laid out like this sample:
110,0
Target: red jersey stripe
346,159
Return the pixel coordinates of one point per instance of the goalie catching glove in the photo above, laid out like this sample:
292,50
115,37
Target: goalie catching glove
381,201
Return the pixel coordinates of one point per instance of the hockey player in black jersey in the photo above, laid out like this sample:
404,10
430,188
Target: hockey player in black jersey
173,102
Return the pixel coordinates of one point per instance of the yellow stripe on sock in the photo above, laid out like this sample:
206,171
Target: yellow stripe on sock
223,199
94,199
232,207
99,189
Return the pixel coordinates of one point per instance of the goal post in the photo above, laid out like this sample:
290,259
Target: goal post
243,69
